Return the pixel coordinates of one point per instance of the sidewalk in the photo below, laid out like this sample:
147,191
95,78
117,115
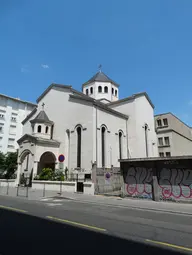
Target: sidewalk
171,207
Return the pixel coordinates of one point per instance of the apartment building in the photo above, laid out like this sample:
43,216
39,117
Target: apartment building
12,112
174,136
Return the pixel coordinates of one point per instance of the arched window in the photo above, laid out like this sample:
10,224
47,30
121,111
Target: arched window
112,91
116,93
79,147
120,144
99,89
103,138
46,129
87,92
39,129
106,89
146,139
91,90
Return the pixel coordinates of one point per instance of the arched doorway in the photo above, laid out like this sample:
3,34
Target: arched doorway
47,160
26,172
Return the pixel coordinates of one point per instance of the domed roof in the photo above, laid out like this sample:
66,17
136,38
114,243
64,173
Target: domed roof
101,77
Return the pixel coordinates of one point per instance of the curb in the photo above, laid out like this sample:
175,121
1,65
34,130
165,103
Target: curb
135,207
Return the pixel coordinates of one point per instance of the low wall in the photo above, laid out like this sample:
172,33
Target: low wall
5,183
54,185
158,179
66,186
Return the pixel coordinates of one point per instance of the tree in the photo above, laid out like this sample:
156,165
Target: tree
2,164
10,164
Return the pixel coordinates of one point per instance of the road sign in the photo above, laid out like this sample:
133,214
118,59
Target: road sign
61,158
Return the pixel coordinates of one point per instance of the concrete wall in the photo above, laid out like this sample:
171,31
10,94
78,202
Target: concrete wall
5,183
66,186
159,180
140,112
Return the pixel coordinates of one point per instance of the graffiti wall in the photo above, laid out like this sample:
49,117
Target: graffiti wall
160,180
175,184
138,182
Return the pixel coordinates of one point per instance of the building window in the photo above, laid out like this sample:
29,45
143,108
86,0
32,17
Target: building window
161,154
39,129
166,140
106,89
168,154
160,141
87,92
116,93
91,90
99,89
165,122
1,129
103,134
120,145
112,91
79,147
14,119
159,123
2,116
46,129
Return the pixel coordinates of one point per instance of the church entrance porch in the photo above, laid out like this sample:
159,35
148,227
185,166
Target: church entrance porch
47,160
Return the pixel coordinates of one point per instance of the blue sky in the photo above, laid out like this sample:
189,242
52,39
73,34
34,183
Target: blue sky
142,45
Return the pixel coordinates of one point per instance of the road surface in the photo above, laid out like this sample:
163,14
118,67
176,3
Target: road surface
166,230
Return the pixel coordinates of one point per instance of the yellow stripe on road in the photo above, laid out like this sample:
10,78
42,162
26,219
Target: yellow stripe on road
77,224
12,208
170,245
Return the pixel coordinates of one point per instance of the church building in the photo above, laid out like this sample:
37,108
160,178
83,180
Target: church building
92,127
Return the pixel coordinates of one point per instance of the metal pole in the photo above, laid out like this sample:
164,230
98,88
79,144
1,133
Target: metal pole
18,190
7,187
44,190
27,191
60,187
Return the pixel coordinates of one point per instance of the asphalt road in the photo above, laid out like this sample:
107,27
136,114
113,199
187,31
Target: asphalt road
164,230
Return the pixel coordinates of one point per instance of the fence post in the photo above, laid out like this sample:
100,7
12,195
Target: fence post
44,190
18,190
27,191
7,187
60,187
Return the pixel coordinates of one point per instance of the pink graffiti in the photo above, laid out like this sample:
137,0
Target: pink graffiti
139,182
175,183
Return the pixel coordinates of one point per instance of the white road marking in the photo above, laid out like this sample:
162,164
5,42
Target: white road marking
53,204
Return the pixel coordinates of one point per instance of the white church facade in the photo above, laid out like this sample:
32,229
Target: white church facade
88,127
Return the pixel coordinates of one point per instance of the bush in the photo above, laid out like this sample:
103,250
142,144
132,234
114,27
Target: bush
48,174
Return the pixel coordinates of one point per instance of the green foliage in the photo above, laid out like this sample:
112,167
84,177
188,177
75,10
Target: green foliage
8,165
47,174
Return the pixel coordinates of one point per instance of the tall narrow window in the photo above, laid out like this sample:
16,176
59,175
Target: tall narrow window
116,93
112,91
106,89
99,89
103,131
46,129
39,129
87,92
146,138
120,145
91,90
79,147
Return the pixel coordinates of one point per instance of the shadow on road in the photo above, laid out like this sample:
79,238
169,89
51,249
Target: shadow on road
24,234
